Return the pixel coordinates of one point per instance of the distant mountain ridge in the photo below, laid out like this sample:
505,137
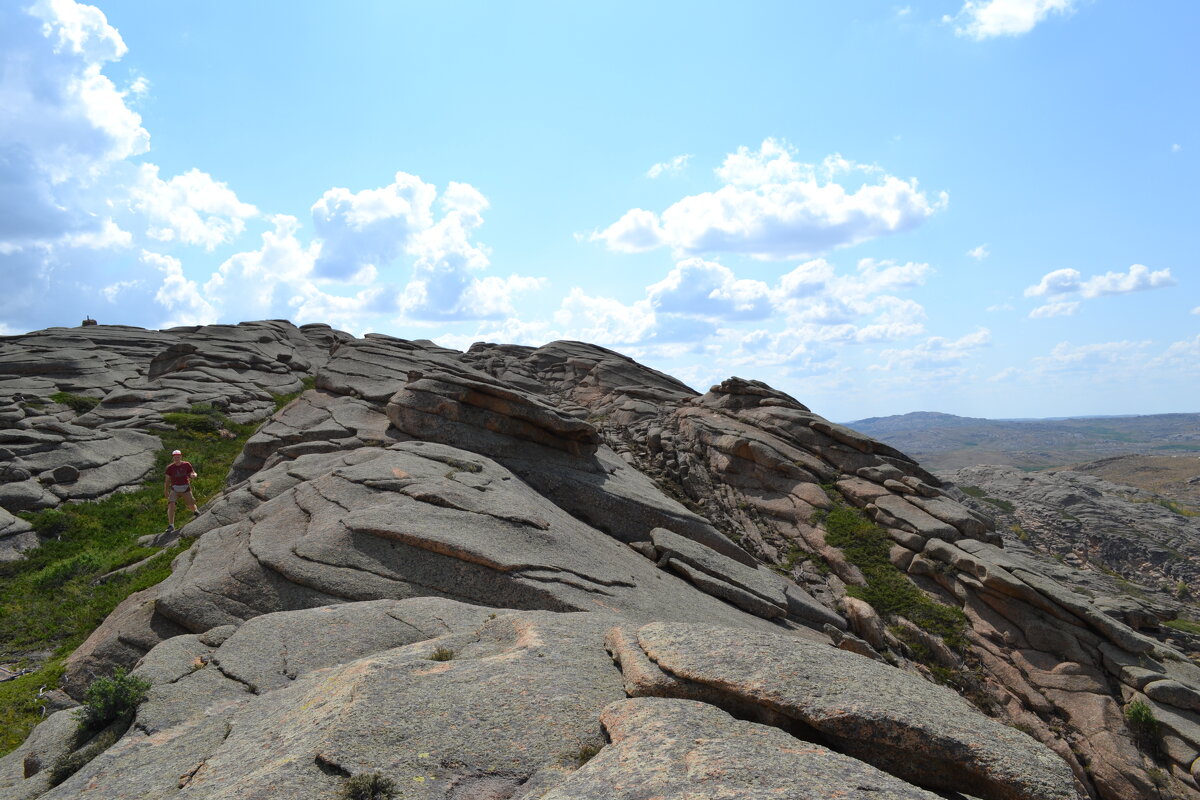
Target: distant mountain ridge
946,442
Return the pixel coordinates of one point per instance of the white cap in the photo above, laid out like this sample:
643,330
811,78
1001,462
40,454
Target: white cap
176,452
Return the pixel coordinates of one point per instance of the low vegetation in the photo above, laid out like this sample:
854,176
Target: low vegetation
441,654
369,786
54,598
79,403
889,591
112,699
1140,719
107,712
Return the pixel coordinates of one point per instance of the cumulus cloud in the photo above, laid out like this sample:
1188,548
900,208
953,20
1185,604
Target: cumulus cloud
706,288
985,19
772,206
191,208
1063,309
979,253
1060,281
672,167
1070,281
179,295
1138,278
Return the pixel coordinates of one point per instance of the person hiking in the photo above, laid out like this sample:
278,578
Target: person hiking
178,486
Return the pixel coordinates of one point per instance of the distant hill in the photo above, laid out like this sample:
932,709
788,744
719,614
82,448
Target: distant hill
948,442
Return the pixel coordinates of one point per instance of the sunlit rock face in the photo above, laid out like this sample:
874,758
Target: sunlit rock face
552,572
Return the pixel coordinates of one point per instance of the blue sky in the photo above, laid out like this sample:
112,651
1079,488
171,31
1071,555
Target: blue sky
985,208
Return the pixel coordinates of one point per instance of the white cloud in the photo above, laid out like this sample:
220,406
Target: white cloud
1060,281
605,321
979,253
1000,307
984,19
672,167
374,226
1006,374
191,208
1175,148
1138,278
937,354
706,288
1064,309
179,295
636,231
1182,355
1098,357
772,206
1196,310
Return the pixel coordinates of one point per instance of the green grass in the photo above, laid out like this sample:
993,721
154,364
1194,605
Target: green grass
79,403
1185,625
888,590
973,491
50,601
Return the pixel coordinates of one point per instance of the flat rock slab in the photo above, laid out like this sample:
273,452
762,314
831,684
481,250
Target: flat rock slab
718,566
680,750
924,733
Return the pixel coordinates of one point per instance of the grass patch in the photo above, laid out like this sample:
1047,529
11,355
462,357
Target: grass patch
1185,625
79,403
202,419
1003,505
973,491
51,601
888,590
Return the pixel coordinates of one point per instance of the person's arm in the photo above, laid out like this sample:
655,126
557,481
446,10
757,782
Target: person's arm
167,485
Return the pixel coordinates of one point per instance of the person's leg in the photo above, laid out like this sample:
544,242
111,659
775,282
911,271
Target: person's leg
191,501
170,508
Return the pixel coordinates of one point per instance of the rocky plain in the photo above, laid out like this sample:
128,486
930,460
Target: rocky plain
551,572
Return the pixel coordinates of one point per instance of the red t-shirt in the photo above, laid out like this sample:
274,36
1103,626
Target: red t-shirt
180,474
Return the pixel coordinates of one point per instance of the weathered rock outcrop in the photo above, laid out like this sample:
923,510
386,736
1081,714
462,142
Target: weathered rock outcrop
471,572
51,452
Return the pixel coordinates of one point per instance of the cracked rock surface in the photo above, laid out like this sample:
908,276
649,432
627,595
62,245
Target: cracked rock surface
520,572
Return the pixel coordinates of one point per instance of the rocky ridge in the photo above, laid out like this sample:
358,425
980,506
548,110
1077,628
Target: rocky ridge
1117,540
402,546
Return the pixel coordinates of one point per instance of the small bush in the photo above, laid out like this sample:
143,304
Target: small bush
79,403
1139,716
369,786
111,699
442,654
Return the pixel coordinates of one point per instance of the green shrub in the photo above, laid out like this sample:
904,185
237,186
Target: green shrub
1139,716
888,590
369,786
79,403
441,654
60,572
109,700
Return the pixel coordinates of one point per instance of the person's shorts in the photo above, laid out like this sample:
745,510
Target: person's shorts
180,491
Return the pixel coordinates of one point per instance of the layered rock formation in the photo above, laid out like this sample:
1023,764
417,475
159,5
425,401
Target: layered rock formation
1098,527
554,573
